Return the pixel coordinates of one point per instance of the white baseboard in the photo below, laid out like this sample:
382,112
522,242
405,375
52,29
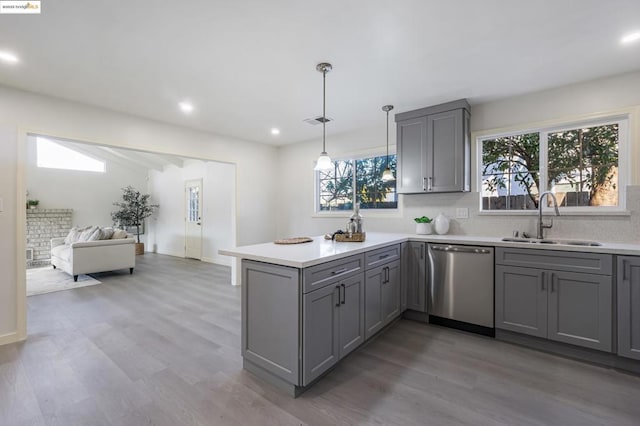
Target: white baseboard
224,261
5,339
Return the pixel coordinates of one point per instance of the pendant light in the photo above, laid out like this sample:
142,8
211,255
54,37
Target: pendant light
387,175
324,161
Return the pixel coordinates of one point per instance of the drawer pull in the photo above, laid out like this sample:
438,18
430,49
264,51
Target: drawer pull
339,271
384,256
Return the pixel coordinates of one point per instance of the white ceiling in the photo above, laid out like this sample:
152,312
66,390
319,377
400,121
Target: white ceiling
249,65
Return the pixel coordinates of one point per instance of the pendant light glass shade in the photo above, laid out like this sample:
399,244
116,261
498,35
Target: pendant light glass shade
387,175
324,161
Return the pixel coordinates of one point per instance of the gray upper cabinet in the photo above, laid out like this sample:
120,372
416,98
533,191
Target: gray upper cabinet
433,148
414,275
547,298
629,307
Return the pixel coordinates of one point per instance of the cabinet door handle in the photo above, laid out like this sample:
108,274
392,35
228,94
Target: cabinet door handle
544,277
424,183
338,288
344,293
429,186
338,271
625,270
553,282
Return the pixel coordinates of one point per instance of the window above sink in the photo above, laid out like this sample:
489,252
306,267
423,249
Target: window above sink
584,163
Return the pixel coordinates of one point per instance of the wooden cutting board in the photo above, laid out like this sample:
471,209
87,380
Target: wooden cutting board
294,240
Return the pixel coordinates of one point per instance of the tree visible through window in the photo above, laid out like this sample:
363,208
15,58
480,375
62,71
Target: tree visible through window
359,177
581,168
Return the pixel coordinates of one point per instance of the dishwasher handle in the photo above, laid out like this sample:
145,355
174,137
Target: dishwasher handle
461,249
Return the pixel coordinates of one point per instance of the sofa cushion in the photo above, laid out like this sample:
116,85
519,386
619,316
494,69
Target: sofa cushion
106,233
74,234
62,252
88,233
119,234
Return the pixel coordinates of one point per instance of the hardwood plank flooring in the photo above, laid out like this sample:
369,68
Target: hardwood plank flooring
162,347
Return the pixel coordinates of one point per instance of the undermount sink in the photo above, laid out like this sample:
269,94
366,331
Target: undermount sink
582,243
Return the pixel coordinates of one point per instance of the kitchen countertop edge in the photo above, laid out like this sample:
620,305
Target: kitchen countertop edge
321,251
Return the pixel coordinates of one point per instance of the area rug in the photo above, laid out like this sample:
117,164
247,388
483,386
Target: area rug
47,280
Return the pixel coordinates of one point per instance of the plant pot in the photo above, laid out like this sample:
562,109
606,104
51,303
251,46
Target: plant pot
33,207
139,248
424,228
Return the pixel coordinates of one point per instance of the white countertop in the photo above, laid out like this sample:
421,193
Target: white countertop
321,250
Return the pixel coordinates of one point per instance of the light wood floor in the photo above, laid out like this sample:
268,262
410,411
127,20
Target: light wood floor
161,347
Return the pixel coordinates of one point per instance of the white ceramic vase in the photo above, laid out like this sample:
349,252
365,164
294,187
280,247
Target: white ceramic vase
441,224
424,228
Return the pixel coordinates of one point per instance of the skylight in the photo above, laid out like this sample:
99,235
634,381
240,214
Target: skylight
51,155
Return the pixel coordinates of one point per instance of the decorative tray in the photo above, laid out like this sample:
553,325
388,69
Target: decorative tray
294,240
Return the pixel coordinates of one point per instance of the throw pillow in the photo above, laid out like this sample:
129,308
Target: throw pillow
87,233
106,233
74,234
95,235
119,234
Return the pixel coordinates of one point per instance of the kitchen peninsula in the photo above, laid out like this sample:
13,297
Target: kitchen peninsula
307,306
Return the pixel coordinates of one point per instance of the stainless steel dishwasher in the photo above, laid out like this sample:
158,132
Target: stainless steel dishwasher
461,287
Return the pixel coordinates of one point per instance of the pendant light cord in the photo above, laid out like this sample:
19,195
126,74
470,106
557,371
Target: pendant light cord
387,139
324,103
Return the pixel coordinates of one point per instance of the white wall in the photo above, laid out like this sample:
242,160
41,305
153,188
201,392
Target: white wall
167,226
90,194
296,192
23,112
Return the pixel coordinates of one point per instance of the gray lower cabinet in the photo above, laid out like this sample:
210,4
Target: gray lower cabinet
555,302
320,344
629,307
273,292
521,300
414,276
382,296
333,325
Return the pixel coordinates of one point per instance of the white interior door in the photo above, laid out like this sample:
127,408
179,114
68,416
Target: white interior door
193,219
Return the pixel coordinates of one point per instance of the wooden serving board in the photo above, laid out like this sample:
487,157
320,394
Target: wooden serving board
294,240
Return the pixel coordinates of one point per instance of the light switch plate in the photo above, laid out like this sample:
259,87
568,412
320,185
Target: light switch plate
462,213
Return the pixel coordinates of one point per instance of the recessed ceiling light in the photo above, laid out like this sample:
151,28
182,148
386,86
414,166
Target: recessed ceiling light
630,38
185,107
8,57
275,131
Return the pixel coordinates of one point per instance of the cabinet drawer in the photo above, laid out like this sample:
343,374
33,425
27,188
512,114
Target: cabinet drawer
324,274
381,256
571,261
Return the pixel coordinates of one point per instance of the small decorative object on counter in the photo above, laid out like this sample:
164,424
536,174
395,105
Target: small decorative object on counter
357,218
441,224
294,240
423,225
32,204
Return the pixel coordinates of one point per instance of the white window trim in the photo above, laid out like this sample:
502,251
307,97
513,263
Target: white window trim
624,163
345,214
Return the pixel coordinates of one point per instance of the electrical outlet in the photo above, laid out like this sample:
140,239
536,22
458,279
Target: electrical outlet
462,213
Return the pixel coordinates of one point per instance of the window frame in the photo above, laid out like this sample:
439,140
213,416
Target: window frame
390,212
624,161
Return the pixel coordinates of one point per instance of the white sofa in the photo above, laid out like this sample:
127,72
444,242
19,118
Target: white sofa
93,256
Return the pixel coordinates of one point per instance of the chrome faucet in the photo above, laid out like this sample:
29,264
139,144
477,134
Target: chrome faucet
541,224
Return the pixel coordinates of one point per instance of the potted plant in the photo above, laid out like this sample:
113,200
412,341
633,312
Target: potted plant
134,209
32,204
423,225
